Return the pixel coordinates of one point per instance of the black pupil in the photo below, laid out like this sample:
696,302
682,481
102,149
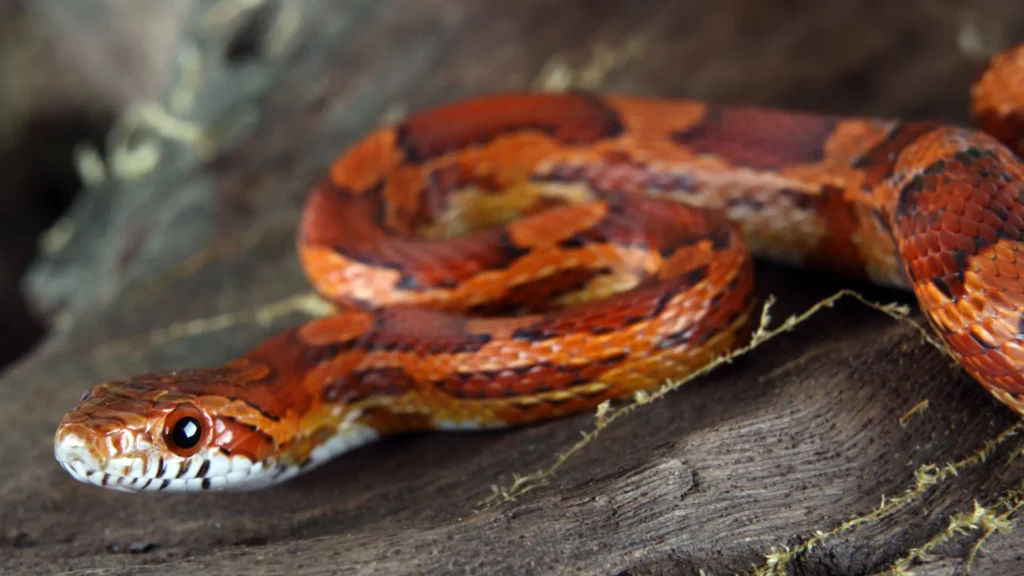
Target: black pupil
186,432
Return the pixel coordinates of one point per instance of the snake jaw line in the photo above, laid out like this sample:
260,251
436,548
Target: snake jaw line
128,461
147,469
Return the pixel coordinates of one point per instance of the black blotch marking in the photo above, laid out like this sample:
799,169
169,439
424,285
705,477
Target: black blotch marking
689,279
881,159
313,356
402,140
184,469
906,205
409,283
943,286
203,469
676,339
721,239
206,483
664,251
161,468
936,167
960,257
696,275
509,249
528,333
574,241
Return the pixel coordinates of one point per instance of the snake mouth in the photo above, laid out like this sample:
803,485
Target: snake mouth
153,472
129,460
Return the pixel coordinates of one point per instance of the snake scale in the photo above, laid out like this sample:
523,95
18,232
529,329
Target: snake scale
513,258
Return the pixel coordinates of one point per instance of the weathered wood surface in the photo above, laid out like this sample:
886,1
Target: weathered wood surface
807,451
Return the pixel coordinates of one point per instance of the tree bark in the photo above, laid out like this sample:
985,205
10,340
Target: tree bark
845,446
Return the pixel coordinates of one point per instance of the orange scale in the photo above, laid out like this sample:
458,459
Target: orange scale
955,205
973,210
952,222
545,376
982,198
948,316
977,281
482,288
402,190
983,265
1014,351
363,165
932,267
504,380
515,157
991,220
1002,331
998,300
1000,362
1008,269
1005,251
1015,298
983,363
972,304
339,328
1011,284
518,354
592,372
494,388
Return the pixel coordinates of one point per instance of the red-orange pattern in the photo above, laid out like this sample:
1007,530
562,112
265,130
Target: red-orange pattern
519,257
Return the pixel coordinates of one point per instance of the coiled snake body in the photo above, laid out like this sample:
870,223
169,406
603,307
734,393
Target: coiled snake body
515,258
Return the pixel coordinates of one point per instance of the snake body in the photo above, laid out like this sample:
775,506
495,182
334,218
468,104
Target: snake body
518,257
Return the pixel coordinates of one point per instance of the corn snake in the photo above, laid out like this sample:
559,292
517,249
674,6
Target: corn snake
514,258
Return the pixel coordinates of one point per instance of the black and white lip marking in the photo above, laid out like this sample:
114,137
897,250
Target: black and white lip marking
148,469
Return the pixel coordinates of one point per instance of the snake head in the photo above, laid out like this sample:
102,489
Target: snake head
169,431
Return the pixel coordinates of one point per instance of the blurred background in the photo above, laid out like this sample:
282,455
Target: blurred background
66,69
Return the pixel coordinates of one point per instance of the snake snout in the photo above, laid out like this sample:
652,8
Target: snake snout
75,451
73,454
98,459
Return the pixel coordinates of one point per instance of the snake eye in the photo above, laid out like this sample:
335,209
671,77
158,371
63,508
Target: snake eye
184,430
